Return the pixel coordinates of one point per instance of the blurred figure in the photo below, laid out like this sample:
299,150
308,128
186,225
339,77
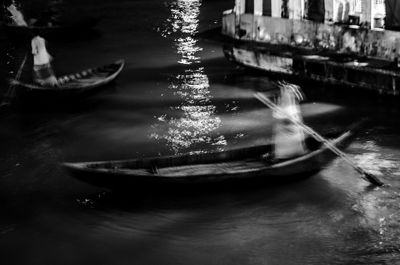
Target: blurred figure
42,71
288,137
16,16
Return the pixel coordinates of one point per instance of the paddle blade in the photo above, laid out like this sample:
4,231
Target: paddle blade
373,179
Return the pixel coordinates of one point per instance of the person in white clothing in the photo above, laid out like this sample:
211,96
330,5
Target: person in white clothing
288,137
43,73
16,16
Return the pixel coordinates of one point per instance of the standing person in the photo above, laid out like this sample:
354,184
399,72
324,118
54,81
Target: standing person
16,16
288,137
43,73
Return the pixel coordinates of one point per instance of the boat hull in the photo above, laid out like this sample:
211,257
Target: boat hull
336,69
72,85
232,166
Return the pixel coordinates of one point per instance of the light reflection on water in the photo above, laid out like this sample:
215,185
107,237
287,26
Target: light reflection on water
373,160
376,210
187,49
198,122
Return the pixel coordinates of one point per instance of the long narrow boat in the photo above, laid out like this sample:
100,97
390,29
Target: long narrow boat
215,167
72,84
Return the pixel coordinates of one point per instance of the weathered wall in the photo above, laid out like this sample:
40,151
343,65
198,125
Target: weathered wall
228,24
246,28
383,44
295,8
329,10
277,32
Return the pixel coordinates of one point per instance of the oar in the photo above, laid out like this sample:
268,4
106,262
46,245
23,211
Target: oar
371,178
11,91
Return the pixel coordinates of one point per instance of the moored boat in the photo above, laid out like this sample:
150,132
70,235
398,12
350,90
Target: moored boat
318,40
77,83
209,168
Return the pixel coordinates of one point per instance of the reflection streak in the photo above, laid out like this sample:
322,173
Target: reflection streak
198,120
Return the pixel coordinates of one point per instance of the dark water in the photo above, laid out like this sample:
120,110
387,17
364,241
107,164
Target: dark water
178,94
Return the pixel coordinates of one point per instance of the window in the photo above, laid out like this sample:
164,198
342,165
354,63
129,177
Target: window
267,8
249,7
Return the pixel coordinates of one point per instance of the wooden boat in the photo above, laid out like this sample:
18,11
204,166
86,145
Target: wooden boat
84,81
16,32
311,42
215,167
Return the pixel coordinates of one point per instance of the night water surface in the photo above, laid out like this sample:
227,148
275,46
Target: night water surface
178,94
